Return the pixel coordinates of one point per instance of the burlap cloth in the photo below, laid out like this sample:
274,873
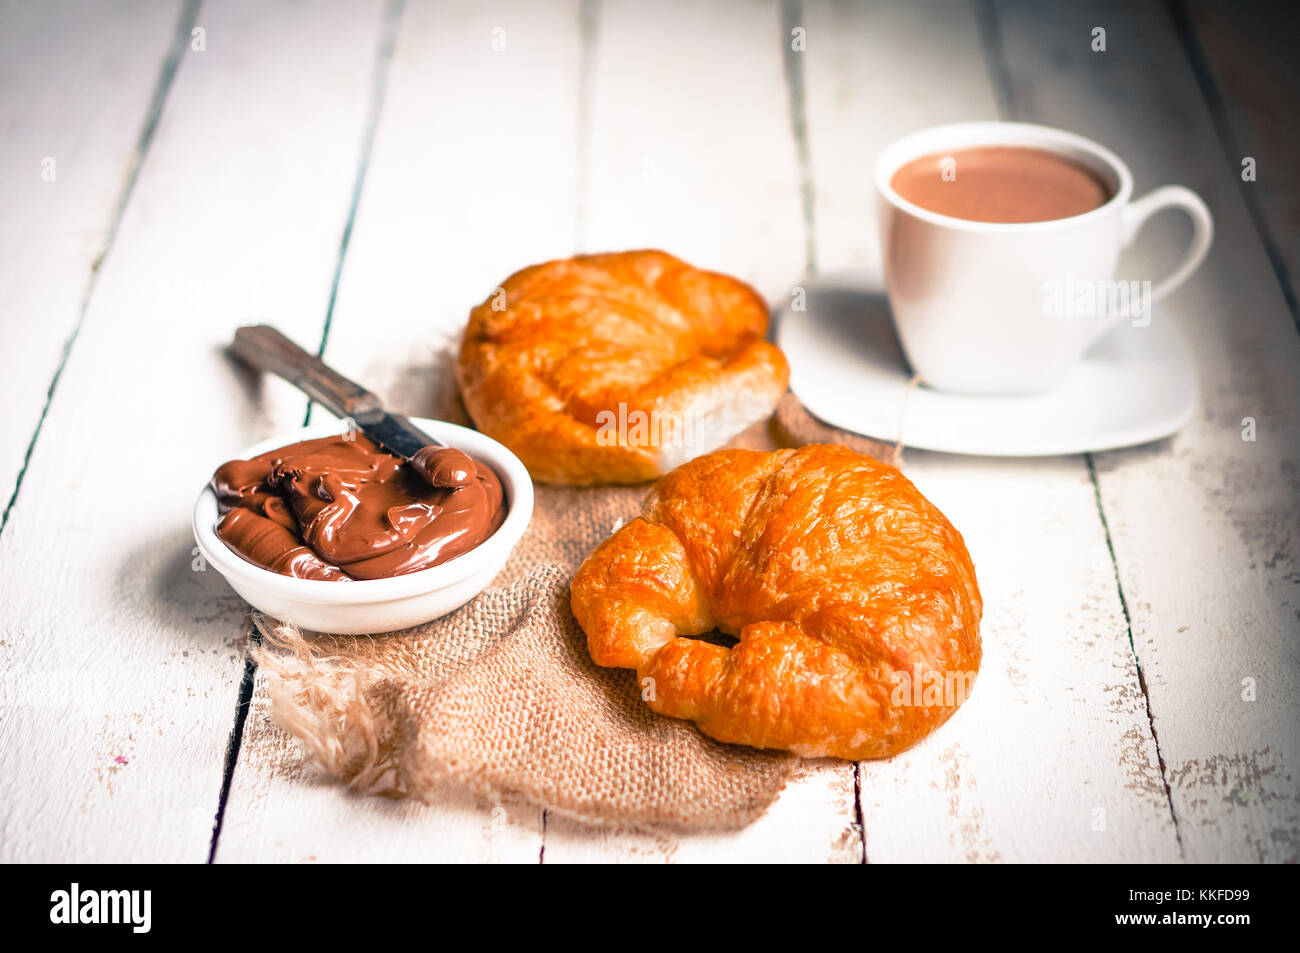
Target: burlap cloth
503,697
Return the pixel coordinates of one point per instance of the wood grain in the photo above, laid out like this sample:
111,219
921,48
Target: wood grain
1204,525
1058,686
1134,601
470,178
690,139
122,662
1247,54
690,122
66,162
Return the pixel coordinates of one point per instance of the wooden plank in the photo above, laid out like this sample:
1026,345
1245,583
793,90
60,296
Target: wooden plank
280,810
1243,56
811,822
1054,741
875,72
470,178
1052,758
63,170
122,663
1204,525
691,150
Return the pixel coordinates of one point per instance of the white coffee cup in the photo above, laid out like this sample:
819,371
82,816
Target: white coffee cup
1002,308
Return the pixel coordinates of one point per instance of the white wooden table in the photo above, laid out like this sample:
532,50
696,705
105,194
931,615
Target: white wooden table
360,173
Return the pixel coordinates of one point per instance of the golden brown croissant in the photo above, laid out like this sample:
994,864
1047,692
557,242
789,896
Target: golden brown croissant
853,598
616,368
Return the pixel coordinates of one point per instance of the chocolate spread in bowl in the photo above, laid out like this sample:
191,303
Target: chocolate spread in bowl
341,509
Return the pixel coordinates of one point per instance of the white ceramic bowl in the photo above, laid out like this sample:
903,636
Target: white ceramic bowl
376,605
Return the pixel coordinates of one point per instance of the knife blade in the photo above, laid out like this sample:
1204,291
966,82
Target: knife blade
265,348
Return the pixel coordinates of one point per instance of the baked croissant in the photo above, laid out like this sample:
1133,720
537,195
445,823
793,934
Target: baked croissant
853,598
616,368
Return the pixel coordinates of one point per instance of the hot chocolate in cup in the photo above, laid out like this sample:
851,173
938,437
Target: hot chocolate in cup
1000,242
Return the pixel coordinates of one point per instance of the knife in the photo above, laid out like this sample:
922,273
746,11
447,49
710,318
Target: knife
265,348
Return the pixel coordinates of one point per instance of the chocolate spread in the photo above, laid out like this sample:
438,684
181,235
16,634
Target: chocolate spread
335,508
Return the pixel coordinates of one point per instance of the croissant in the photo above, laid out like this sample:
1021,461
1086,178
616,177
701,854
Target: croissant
616,368
853,601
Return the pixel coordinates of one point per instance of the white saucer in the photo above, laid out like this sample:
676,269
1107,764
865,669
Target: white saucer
1134,386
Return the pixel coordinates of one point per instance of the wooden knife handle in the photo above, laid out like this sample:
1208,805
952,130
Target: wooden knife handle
265,348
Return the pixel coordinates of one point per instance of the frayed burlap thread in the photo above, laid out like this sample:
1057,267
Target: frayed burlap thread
503,697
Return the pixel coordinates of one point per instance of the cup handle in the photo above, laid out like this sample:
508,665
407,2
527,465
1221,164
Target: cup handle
1137,212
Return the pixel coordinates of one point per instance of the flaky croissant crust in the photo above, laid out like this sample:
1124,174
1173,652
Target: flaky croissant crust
560,344
853,598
